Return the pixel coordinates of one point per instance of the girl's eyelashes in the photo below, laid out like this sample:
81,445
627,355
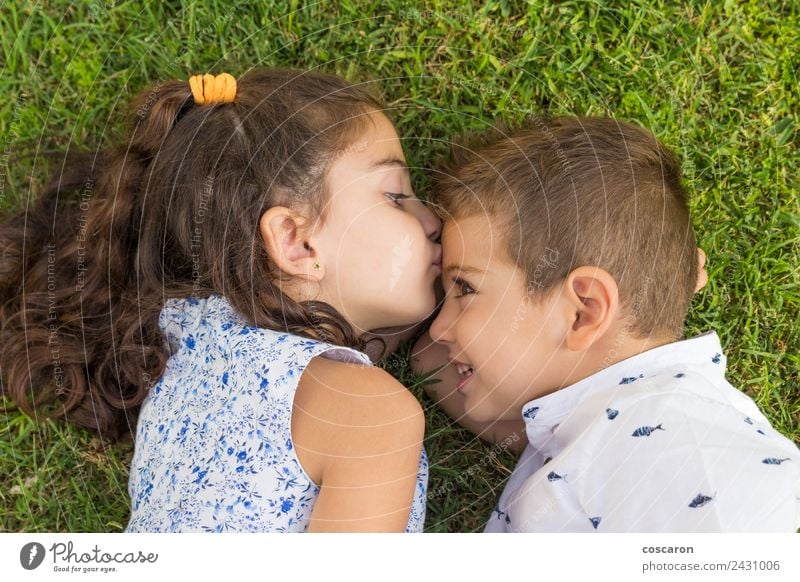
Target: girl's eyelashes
463,286
397,197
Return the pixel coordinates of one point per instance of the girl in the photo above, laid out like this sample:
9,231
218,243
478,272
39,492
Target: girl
191,274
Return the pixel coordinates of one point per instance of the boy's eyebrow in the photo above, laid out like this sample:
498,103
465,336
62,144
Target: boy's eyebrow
463,269
391,162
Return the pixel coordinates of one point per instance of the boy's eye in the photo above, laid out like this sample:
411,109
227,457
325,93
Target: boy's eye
397,197
463,286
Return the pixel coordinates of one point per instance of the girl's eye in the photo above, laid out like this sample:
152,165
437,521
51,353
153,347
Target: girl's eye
466,288
397,197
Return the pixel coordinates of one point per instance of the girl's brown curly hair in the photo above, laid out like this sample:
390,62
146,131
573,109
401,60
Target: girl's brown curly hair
171,210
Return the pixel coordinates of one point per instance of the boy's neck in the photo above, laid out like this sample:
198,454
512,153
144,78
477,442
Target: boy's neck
611,350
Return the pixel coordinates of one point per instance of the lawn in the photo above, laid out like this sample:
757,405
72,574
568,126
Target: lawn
716,81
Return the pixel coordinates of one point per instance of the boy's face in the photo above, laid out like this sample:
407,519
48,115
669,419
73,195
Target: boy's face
512,345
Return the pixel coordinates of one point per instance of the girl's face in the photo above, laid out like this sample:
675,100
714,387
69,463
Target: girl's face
377,246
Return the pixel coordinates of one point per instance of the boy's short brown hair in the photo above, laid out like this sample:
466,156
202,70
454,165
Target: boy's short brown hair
575,191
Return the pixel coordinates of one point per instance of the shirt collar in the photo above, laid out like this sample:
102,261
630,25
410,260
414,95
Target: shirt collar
701,353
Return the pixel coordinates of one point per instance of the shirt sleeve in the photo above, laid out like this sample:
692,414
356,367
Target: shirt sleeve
668,461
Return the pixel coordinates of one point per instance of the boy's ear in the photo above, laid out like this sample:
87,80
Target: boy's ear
594,296
702,274
283,233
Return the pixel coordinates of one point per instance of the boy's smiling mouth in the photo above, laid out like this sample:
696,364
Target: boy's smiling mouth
465,371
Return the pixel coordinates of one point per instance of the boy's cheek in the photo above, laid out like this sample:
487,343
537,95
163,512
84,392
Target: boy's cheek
478,408
492,410
488,403
477,328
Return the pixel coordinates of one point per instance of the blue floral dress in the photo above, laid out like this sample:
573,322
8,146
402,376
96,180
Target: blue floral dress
213,449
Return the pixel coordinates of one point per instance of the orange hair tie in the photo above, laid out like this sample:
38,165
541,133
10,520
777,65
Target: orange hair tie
212,89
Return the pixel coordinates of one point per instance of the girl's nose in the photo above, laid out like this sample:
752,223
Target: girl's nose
430,222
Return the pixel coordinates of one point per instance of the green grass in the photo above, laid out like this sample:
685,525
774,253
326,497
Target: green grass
715,81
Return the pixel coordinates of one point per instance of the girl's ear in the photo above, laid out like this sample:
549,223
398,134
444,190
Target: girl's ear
283,234
594,296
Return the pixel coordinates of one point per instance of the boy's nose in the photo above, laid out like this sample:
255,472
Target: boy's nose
441,329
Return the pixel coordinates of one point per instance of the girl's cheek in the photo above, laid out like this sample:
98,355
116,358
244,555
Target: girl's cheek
390,225
411,224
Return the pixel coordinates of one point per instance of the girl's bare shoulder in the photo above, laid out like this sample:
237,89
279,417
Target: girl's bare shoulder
345,410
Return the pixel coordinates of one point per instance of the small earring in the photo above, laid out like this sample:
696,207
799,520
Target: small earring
317,266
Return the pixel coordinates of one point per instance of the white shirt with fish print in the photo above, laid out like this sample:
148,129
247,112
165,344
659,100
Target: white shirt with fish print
659,442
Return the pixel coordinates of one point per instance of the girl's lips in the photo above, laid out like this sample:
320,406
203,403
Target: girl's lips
438,260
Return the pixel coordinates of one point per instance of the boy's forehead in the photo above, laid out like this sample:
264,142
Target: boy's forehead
470,241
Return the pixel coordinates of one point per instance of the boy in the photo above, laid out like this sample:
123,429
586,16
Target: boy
569,266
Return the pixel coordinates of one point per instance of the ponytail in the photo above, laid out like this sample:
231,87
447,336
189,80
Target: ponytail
72,328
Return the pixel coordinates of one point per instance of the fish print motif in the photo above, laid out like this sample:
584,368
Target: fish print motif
630,379
531,412
680,375
699,501
502,514
774,461
716,358
553,476
499,513
611,413
595,521
646,431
